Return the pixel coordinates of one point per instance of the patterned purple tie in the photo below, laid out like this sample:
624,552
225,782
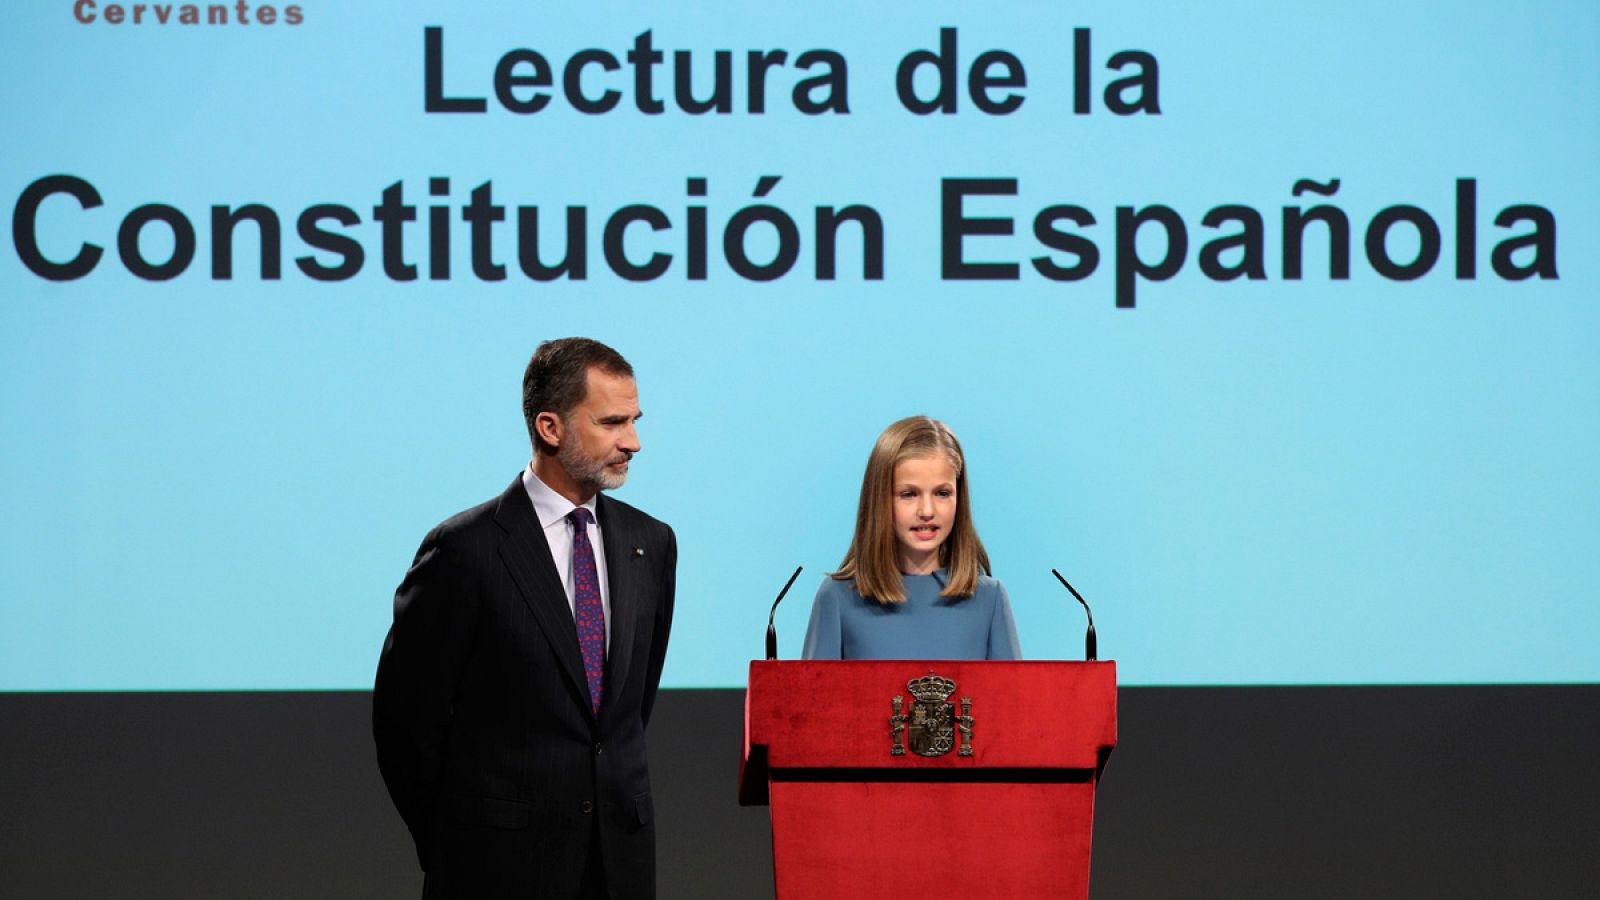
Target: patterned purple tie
586,607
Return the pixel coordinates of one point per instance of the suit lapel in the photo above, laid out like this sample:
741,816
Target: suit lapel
624,570
526,555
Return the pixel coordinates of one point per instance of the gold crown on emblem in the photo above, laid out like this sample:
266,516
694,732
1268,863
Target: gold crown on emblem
931,687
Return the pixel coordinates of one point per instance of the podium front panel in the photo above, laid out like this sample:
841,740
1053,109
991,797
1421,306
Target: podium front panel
969,840
910,778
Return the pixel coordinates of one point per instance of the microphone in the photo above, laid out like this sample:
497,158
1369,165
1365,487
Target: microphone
1089,649
772,630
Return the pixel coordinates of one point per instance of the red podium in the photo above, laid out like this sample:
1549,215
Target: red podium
905,778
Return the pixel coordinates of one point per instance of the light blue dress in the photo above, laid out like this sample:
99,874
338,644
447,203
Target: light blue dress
844,625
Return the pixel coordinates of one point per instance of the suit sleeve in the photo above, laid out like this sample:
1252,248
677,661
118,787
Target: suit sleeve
435,611
1003,643
663,627
825,633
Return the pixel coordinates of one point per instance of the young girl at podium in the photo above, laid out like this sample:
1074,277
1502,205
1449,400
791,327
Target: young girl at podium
915,583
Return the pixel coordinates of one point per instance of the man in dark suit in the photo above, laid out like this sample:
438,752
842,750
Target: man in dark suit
516,682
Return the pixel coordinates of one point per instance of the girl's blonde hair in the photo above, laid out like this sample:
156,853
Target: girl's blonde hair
873,560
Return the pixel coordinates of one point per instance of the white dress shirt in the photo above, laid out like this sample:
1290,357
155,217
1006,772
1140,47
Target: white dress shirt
552,510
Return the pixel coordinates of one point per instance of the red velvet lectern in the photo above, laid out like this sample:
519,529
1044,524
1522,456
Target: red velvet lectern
933,778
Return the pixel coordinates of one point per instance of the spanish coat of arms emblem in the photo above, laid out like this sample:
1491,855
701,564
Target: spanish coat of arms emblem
933,721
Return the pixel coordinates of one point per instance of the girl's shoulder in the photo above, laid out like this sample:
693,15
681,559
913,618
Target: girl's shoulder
836,588
989,586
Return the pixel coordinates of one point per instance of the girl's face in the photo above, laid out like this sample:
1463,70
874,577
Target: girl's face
924,510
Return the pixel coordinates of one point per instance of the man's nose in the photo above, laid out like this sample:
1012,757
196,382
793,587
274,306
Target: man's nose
630,440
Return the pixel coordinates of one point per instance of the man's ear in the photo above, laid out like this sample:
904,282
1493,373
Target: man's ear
550,429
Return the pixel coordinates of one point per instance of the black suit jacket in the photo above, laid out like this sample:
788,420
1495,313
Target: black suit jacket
481,712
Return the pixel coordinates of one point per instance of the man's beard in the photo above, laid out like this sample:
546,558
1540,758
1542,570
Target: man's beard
592,474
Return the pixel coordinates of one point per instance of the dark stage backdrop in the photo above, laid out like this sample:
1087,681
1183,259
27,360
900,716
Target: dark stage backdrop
1269,792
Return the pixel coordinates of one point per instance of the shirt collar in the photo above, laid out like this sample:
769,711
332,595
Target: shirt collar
550,506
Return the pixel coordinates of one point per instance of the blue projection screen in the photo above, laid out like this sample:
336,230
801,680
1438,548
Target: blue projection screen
1272,325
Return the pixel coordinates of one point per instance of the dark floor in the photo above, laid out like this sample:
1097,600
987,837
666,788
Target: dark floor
1373,792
